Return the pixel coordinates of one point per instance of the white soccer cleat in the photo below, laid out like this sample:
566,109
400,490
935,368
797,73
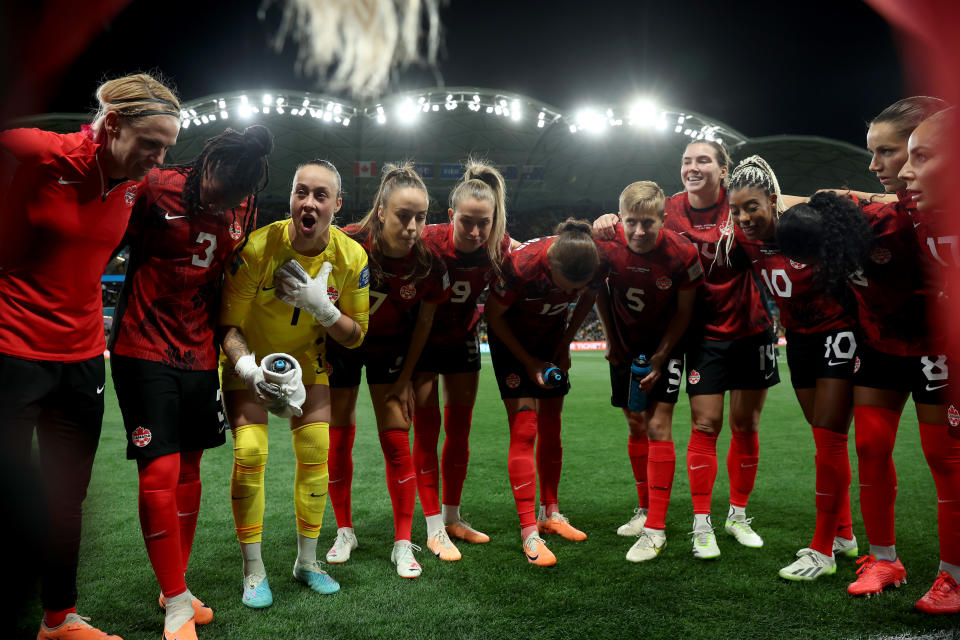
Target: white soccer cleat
635,526
402,556
705,545
845,548
647,547
345,543
739,527
809,566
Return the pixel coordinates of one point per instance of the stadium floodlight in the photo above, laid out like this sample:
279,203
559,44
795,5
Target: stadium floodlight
266,109
381,118
573,128
184,114
244,110
306,102
591,121
209,118
421,100
224,115
681,118
193,112
327,116
407,111
337,119
221,103
476,98
435,107
346,121
515,112
196,121
489,109
267,99
540,124
185,124
280,101
499,110
643,113
425,107
243,99
661,123
678,128
280,110
449,97
337,109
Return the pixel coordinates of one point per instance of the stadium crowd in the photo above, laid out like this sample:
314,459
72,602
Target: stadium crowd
214,283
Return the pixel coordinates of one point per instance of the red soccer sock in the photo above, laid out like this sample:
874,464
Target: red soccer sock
845,517
159,522
742,460
456,452
660,468
943,455
56,618
403,493
638,449
188,502
426,433
549,456
520,465
875,434
340,468
701,469
833,483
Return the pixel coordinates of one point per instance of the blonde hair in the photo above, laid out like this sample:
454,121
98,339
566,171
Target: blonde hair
482,181
755,172
721,155
644,196
134,96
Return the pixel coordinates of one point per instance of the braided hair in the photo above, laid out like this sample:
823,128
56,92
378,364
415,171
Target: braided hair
751,172
239,162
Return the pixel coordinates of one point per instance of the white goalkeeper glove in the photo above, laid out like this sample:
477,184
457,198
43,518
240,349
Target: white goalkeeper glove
295,287
252,375
289,379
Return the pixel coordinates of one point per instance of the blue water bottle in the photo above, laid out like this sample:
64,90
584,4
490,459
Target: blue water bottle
553,375
281,365
639,369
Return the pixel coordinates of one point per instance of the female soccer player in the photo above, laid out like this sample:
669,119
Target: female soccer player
529,331
821,350
472,246
285,269
722,353
407,284
66,207
185,225
898,357
645,309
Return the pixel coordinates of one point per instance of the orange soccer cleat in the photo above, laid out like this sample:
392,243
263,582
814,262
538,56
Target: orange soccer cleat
462,530
874,576
201,612
75,627
559,524
187,632
537,553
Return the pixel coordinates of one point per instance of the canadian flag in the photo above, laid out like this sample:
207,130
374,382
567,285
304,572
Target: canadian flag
364,169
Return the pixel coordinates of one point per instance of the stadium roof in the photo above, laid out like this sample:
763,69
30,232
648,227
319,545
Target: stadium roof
548,156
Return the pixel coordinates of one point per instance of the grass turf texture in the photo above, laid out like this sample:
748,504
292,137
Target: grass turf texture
492,592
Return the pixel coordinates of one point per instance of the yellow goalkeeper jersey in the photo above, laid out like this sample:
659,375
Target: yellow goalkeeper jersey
270,325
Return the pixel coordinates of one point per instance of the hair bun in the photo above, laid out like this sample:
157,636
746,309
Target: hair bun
257,140
572,225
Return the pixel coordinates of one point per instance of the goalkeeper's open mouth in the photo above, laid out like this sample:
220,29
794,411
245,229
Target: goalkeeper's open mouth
308,222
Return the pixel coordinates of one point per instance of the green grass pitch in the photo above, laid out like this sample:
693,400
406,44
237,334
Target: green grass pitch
592,592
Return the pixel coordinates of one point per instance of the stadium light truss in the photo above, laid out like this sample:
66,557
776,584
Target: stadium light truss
409,107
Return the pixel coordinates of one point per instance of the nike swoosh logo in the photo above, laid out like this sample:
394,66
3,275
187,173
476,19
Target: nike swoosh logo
916,224
939,386
939,501
702,466
520,486
831,363
317,495
268,288
533,558
155,535
423,473
747,466
333,481
672,389
62,181
170,217
823,494
100,389
405,480
393,371
184,515
769,375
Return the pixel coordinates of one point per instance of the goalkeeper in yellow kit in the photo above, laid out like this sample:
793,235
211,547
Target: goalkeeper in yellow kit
296,284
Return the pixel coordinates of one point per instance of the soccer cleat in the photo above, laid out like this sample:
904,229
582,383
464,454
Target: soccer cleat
559,524
943,597
74,627
256,591
705,545
739,527
187,632
647,547
462,530
845,548
201,612
316,578
536,551
809,566
874,576
440,545
402,556
635,526
345,543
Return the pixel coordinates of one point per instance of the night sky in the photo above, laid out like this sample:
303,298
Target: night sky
814,67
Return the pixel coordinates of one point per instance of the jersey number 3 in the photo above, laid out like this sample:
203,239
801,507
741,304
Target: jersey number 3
210,241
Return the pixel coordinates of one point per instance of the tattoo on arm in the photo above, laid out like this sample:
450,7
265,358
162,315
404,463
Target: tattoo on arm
234,345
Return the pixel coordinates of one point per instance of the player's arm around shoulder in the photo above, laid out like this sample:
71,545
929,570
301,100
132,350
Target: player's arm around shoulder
243,277
352,276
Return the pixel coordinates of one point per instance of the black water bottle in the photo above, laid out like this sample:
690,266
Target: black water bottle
639,369
553,375
281,365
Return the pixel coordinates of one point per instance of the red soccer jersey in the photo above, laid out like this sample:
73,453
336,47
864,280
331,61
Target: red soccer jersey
395,301
469,275
889,288
731,305
644,286
61,220
803,308
170,302
537,309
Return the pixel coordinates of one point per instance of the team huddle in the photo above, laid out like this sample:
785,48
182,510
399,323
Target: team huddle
221,323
